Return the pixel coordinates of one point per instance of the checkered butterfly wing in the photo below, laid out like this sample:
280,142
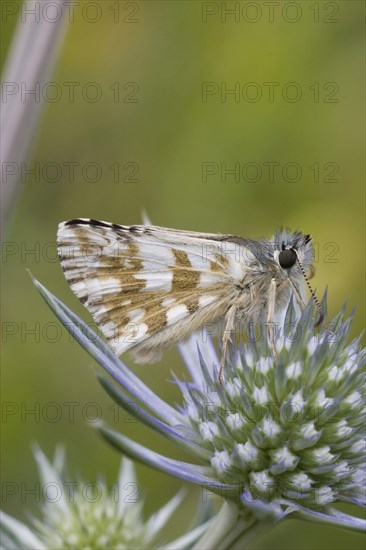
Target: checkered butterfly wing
147,287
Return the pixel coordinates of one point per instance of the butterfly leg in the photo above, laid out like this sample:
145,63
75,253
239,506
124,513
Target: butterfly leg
297,295
302,304
229,327
270,315
311,272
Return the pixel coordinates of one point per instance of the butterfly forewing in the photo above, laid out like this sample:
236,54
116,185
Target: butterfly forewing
147,287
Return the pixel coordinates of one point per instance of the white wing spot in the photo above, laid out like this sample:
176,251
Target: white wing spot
167,302
176,313
237,269
205,300
156,251
79,288
208,279
136,315
156,280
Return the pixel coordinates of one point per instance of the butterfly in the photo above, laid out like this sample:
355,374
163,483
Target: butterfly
150,287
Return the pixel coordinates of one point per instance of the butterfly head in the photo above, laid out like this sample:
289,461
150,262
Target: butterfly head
291,249
294,253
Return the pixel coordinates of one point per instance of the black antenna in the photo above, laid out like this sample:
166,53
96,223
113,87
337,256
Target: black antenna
317,303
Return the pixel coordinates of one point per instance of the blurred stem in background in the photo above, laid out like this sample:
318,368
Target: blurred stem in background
32,56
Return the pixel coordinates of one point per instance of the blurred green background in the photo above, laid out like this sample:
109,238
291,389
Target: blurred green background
160,131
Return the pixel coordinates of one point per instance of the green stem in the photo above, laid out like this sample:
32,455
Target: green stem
251,533
230,531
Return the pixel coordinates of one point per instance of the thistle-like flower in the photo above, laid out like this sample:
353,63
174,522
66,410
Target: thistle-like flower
284,434
91,515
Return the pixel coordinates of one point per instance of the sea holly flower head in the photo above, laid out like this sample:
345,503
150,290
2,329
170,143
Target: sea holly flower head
91,515
283,435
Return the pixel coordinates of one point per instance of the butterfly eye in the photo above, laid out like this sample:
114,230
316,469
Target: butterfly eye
287,258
